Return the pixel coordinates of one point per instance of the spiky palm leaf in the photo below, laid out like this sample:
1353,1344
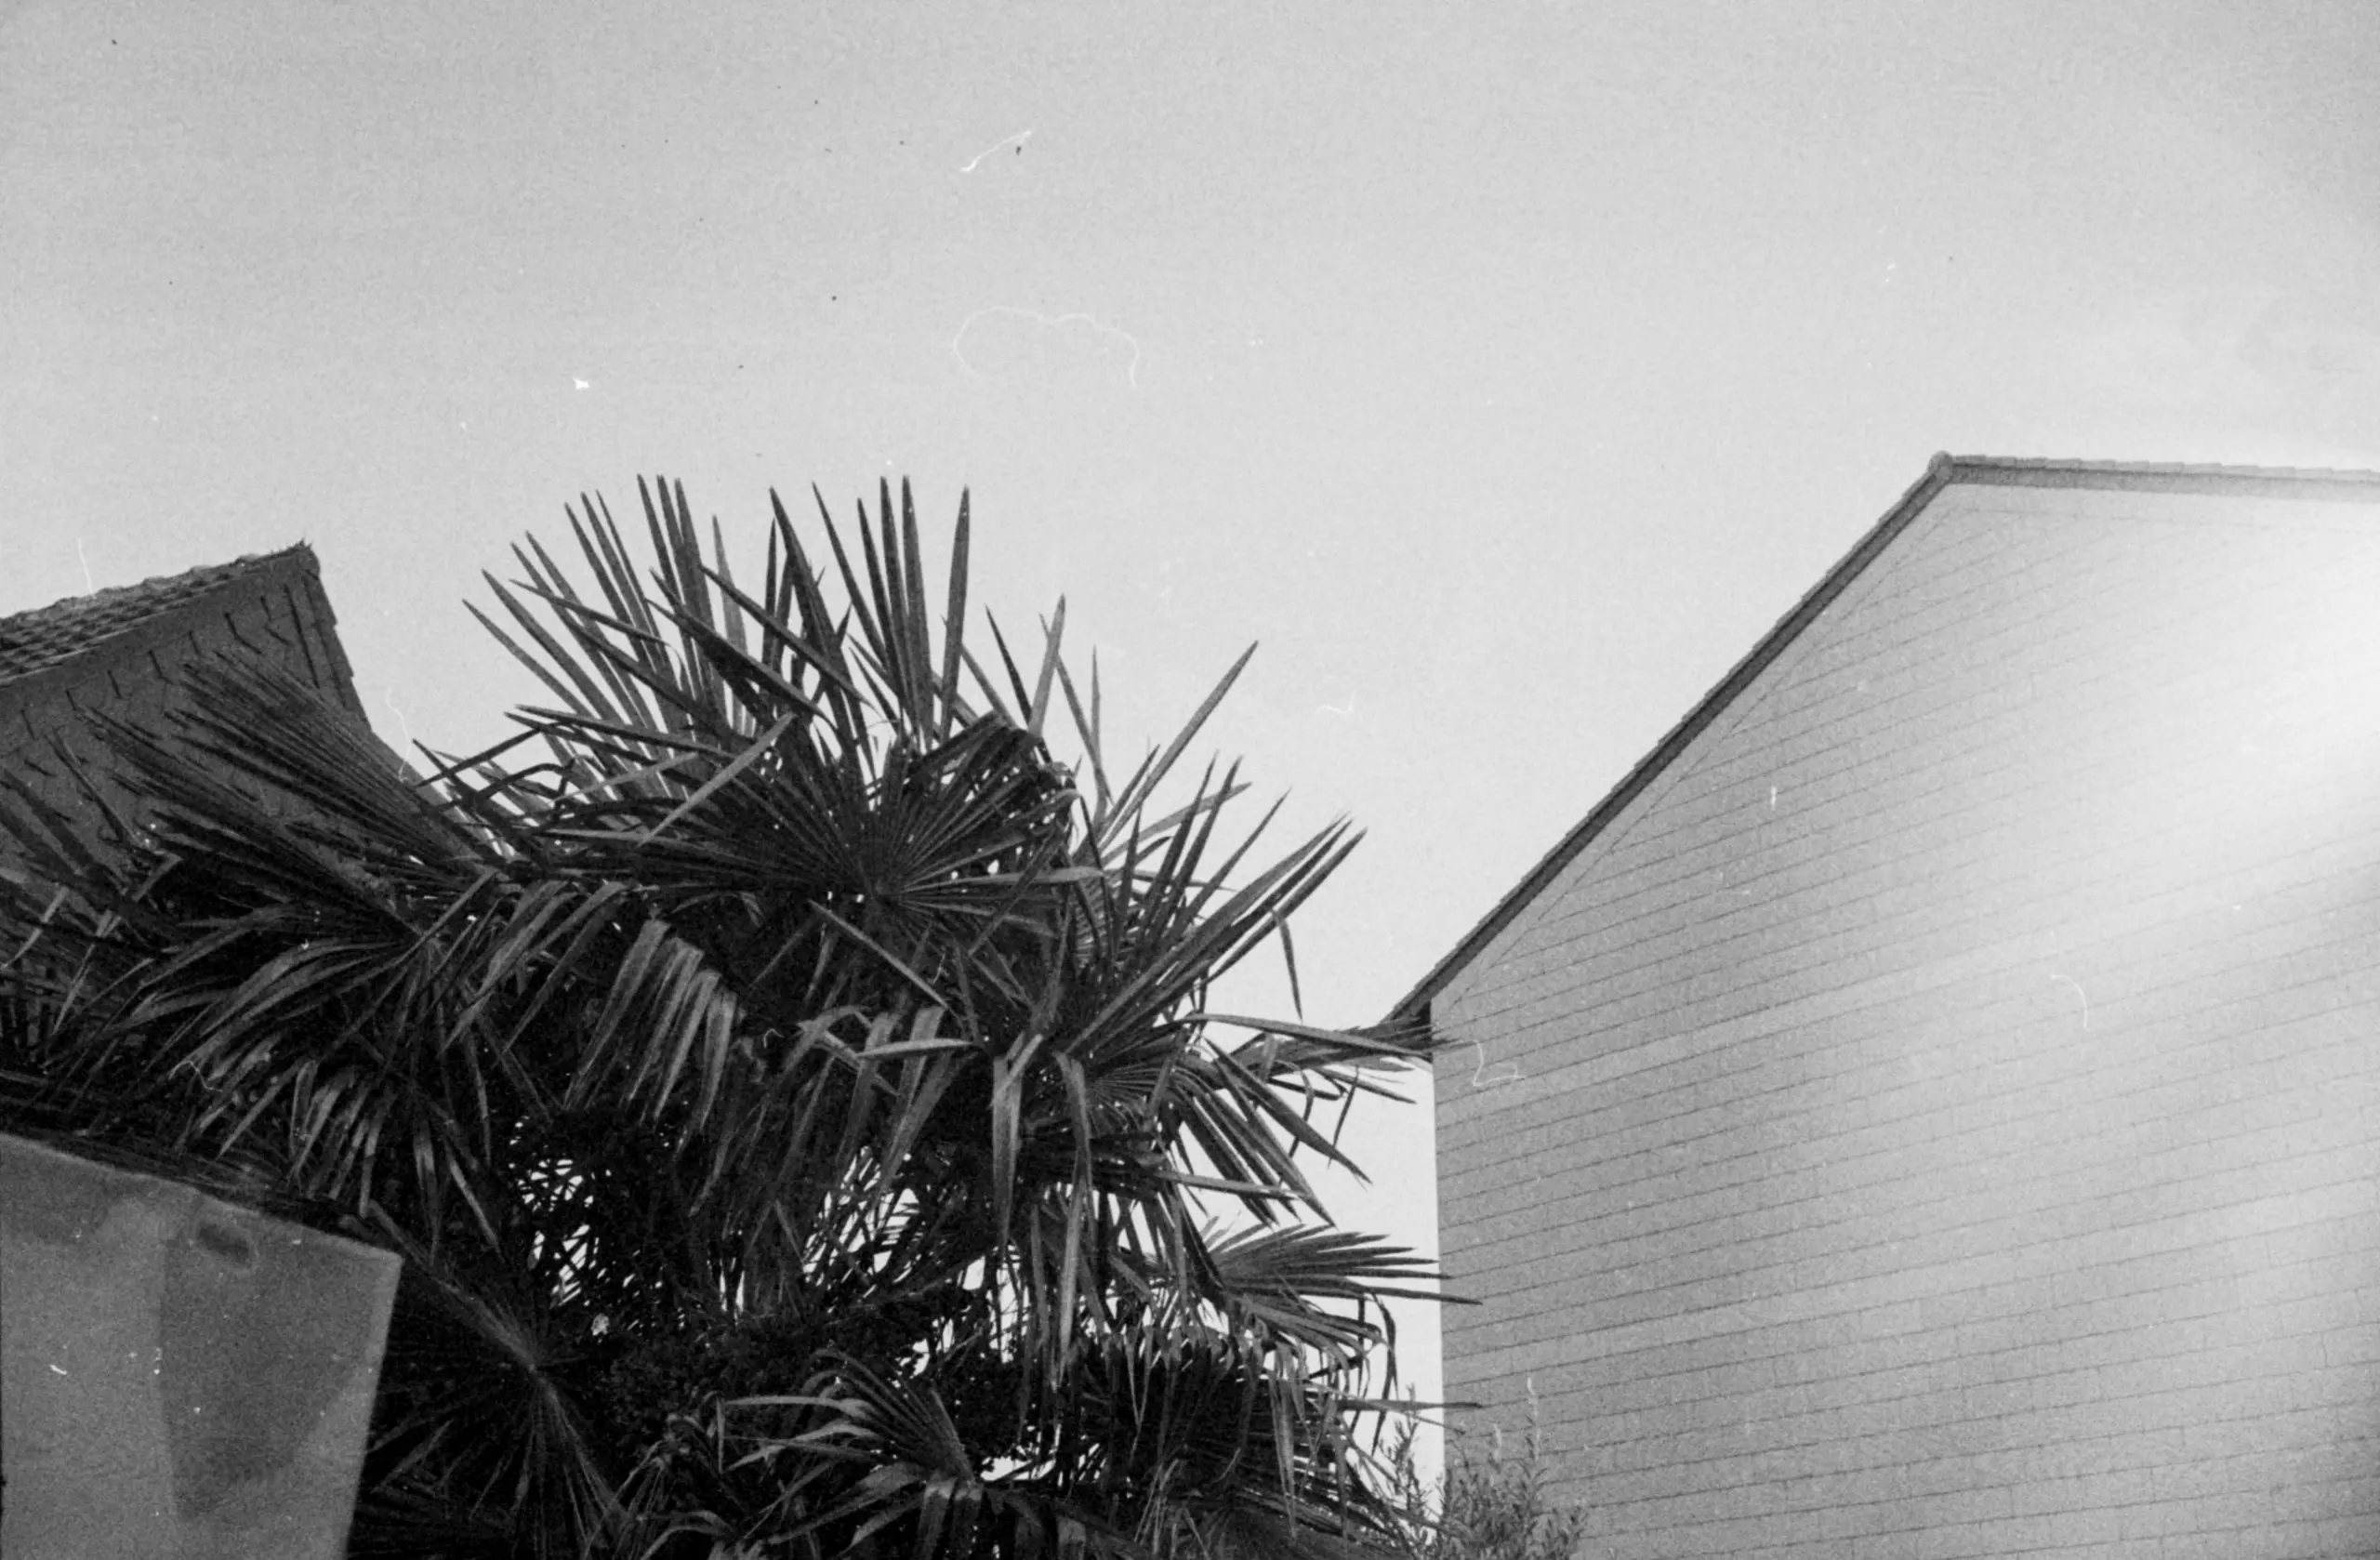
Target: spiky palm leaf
794,1092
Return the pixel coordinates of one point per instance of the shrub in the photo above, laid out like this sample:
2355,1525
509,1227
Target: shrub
1489,1504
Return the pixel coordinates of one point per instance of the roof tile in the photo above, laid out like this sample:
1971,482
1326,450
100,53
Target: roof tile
45,637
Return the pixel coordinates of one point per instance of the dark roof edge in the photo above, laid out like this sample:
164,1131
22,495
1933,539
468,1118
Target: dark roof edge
2309,483
342,669
2244,481
1939,472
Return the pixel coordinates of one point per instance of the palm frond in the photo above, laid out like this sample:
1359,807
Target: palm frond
796,1093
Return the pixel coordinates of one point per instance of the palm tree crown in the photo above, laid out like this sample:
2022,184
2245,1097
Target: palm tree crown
792,1088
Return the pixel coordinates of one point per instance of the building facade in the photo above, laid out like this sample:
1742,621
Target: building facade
1932,1106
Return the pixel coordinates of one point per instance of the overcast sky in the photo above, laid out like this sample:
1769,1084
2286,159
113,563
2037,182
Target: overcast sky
1506,370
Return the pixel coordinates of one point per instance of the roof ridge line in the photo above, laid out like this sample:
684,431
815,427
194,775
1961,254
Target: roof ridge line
2160,468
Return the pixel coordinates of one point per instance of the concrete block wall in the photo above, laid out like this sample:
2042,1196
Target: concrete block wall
1940,1114
184,1379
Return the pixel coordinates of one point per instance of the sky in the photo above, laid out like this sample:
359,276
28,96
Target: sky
1503,371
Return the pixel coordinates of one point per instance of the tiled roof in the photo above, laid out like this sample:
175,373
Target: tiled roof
45,637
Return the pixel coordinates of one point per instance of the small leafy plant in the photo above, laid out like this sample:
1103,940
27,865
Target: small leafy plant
1490,1504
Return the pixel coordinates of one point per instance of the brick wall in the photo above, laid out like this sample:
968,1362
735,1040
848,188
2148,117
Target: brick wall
1937,1117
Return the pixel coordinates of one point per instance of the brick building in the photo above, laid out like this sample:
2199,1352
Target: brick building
1932,1106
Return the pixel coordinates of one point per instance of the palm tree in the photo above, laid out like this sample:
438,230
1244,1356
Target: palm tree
792,1088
